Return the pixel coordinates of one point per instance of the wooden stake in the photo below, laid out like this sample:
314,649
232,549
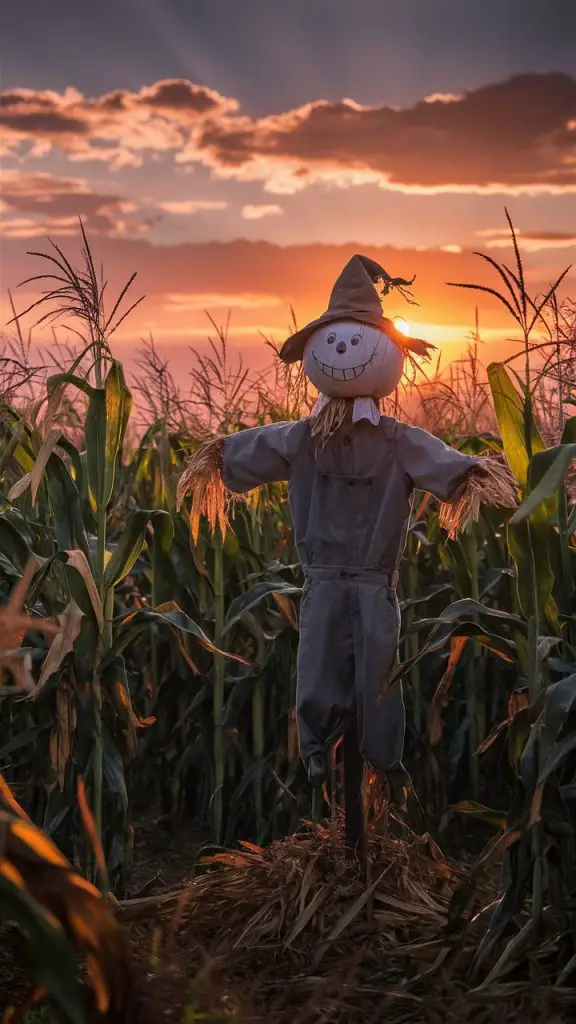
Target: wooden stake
354,823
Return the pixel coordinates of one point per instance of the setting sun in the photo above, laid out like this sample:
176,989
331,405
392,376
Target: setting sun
403,326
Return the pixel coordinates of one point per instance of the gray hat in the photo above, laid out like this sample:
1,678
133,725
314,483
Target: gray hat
354,297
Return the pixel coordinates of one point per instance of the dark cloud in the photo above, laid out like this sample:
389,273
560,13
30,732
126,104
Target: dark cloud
182,96
550,236
520,134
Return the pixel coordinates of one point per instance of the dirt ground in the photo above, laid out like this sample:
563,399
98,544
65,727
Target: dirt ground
198,967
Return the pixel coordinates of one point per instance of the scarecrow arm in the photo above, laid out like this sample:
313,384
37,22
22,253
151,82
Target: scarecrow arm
459,481
238,463
430,464
261,455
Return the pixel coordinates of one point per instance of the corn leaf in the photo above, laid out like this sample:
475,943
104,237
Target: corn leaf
509,407
127,549
163,574
65,501
118,405
251,598
546,473
50,954
95,434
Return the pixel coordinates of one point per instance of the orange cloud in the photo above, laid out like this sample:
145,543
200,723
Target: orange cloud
530,241
192,205
38,204
515,136
261,210
187,302
116,128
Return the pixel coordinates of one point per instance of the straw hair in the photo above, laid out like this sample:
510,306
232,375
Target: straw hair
489,482
203,479
330,419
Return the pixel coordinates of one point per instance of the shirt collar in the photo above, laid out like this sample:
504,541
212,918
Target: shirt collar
365,408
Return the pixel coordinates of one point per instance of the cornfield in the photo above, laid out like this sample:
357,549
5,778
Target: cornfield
140,667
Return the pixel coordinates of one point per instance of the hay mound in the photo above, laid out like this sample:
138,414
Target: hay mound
294,934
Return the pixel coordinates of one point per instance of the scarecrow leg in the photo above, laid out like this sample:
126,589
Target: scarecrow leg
354,823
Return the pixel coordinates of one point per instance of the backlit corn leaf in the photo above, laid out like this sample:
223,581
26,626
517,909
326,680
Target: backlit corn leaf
547,472
127,550
118,404
509,408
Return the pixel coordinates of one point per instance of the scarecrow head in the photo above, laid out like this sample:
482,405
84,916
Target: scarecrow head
353,350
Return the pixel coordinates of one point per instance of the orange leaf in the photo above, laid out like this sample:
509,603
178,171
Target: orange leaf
251,846
440,698
90,827
235,860
9,800
35,842
144,722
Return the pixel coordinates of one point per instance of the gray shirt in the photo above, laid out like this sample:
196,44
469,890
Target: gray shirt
351,501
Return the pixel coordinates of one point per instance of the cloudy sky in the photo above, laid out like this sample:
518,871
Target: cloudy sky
236,154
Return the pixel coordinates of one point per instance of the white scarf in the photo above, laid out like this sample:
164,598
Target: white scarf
364,409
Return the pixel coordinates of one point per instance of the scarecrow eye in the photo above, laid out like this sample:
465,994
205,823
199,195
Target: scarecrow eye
355,339
331,339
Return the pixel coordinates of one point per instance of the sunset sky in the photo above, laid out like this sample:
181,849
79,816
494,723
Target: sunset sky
236,154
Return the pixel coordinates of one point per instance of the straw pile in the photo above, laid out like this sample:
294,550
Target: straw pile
294,935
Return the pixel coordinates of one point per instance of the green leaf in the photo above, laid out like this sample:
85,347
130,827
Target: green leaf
127,549
560,699
114,771
13,544
65,501
95,433
569,431
557,757
163,572
118,405
21,739
465,608
509,407
44,454
528,543
518,734
133,624
58,379
476,810
547,473
253,597
440,640
74,456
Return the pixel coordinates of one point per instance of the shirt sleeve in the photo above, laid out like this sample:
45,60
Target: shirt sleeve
261,455
430,464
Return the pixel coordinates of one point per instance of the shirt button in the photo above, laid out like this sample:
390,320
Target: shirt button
350,483
347,442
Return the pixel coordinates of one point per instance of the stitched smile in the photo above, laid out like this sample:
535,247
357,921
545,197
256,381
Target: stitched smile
342,373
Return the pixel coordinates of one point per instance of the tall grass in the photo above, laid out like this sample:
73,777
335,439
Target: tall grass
174,678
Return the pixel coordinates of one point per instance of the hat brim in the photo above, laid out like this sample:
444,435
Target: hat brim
293,348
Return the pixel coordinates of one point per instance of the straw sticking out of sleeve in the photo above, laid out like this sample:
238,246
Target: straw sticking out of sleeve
489,482
202,478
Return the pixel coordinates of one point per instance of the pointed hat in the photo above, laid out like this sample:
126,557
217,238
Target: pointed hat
354,297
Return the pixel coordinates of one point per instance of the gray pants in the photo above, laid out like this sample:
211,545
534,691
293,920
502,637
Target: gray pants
349,632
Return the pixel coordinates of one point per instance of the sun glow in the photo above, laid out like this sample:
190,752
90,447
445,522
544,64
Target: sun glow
403,326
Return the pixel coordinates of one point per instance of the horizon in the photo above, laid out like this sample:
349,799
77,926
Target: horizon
228,169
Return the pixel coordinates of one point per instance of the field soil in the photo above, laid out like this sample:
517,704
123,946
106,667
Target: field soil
292,935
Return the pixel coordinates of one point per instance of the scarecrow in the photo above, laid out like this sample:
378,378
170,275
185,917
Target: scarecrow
351,474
